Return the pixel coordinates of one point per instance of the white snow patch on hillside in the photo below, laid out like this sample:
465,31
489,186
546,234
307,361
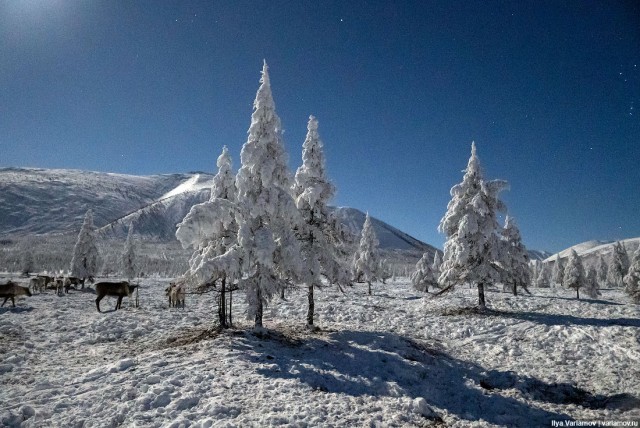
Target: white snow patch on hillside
395,358
193,184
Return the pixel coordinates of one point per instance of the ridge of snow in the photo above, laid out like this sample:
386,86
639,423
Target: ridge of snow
594,247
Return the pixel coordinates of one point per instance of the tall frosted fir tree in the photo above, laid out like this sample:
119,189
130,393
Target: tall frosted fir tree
271,255
320,233
129,256
472,249
366,259
211,229
557,273
574,276
515,259
84,263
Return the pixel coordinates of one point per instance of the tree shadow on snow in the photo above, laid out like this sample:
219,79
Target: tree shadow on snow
384,364
557,319
599,301
17,309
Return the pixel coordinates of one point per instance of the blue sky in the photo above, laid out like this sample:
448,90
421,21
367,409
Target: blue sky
550,92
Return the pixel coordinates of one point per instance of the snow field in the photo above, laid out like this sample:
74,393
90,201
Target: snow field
392,359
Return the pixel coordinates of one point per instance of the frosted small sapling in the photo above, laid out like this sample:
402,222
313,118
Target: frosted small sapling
366,259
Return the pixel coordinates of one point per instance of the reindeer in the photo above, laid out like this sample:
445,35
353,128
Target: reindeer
115,289
11,290
176,294
38,284
72,280
47,278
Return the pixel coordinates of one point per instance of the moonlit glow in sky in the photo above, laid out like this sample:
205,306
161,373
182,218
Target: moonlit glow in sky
548,90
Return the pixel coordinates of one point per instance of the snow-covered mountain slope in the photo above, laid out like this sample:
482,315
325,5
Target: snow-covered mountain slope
159,218
389,236
593,249
538,255
37,201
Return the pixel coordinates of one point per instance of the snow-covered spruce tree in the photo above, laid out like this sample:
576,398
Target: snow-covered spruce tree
211,229
384,271
534,267
574,273
602,270
632,278
618,265
366,258
557,273
435,267
26,262
471,252
270,253
424,276
591,286
320,232
129,256
514,258
543,280
84,263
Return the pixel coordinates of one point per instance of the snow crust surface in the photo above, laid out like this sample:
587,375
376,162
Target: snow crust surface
396,358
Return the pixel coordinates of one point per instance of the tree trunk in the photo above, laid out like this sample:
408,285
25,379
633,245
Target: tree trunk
258,319
578,293
311,308
230,303
481,302
369,285
515,290
222,305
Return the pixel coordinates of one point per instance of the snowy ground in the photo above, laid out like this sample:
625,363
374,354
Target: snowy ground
392,359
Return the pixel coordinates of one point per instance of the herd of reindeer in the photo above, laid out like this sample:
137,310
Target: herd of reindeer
120,289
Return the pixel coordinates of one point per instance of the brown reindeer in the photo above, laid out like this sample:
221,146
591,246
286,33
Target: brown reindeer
72,280
176,294
38,284
115,289
11,290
